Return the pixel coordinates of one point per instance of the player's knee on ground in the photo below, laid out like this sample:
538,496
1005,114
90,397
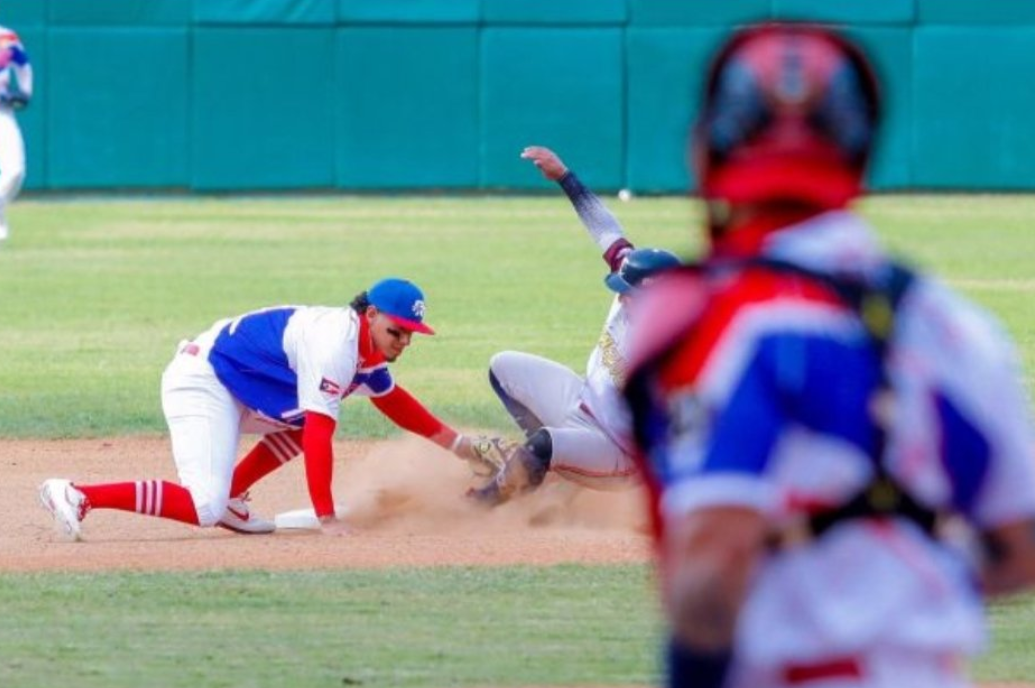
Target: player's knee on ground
209,502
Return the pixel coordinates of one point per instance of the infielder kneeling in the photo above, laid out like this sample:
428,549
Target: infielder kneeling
282,373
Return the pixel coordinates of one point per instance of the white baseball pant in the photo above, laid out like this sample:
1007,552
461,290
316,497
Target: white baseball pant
582,452
204,427
12,163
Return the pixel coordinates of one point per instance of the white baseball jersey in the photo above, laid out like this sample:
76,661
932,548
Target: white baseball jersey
281,362
605,375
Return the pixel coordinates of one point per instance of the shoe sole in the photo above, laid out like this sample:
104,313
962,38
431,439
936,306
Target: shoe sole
240,531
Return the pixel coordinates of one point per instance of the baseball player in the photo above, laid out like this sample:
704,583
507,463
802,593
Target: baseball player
811,414
575,426
282,373
15,93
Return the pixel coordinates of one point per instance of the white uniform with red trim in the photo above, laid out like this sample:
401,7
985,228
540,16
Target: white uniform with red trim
868,604
15,91
259,373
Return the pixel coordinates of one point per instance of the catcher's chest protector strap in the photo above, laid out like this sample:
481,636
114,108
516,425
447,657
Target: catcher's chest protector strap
876,303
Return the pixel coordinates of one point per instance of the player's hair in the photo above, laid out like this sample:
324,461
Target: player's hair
360,302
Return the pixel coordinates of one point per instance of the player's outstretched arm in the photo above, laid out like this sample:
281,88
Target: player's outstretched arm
601,224
484,455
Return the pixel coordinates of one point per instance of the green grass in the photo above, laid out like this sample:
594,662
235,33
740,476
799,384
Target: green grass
567,625
1013,638
557,626
95,294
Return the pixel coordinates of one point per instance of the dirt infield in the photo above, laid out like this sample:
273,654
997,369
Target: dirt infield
403,496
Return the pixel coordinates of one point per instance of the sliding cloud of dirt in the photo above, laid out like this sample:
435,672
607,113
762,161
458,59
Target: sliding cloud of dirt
404,499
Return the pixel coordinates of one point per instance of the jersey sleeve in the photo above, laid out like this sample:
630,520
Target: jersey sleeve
325,366
602,225
376,381
1003,421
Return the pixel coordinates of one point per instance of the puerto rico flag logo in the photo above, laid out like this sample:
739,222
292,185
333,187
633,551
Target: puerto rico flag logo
330,387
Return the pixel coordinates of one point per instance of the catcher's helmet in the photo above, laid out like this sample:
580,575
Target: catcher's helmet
640,264
790,112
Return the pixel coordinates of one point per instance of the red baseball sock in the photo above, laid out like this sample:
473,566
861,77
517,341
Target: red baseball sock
267,456
149,497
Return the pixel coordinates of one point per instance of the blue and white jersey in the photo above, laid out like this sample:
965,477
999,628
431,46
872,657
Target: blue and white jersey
283,361
15,70
765,405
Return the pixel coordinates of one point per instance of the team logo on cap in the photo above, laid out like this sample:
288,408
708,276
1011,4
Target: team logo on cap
418,309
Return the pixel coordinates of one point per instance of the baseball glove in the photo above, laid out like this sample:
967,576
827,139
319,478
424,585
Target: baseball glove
488,455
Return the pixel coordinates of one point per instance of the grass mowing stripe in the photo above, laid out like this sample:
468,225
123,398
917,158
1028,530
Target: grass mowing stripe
565,625
97,293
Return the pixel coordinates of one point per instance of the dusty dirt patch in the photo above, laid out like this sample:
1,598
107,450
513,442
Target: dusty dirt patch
404,498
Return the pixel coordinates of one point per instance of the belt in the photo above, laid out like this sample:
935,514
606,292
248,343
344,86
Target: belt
842,667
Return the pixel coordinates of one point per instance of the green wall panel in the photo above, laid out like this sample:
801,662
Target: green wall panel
120,12
554,12
19,14
854,11
672,13
118,117
561,88
891,51
260,120
319,12
407,103
409,11
666,70
973,122
1009,12
33,119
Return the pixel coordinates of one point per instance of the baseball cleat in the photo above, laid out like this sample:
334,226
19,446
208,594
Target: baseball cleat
523,472
240,519
66,504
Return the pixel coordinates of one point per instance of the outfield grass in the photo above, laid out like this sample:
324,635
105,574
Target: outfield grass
567,625
94,295
555,626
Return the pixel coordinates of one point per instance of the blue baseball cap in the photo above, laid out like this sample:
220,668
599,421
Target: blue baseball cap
402,301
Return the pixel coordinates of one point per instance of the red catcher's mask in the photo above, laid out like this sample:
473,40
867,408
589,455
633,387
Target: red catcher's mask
790,113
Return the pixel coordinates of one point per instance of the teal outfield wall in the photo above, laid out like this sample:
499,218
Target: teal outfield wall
214,95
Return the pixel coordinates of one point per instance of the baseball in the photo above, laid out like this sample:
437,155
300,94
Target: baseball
625,195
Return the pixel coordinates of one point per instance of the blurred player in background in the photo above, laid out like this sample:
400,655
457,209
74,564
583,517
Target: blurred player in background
575,426
15,92
282,373
810,412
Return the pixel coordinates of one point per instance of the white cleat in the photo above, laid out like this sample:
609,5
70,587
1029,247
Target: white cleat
240,519
66,504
